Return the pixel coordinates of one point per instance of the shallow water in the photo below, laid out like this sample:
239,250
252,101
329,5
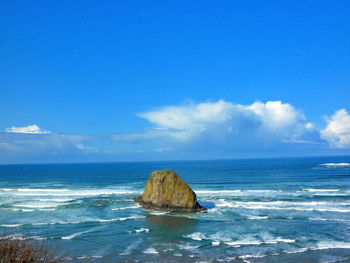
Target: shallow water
270,210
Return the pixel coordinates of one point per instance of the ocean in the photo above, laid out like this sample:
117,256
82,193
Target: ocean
260,210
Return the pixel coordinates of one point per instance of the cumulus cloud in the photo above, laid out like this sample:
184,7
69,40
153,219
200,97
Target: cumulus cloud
337,132
224,125
30,129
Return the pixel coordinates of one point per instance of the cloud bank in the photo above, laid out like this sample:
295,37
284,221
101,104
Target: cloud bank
225,126
337,132
219,129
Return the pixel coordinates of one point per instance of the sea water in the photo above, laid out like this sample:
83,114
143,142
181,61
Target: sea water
259,210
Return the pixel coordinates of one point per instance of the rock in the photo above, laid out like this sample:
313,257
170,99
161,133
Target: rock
165,190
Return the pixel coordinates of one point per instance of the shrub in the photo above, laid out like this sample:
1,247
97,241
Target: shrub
26,251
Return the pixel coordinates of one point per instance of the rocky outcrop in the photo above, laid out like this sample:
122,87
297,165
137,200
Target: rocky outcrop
165,190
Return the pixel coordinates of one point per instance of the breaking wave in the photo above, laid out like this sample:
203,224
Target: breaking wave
335,164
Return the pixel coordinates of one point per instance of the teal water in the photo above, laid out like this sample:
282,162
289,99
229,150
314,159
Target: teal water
263,210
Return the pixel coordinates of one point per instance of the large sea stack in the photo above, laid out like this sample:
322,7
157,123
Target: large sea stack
165,190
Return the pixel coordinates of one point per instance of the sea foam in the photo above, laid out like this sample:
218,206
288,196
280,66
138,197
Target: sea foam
335,164
150,250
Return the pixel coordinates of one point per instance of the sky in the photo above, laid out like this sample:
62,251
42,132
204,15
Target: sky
85,81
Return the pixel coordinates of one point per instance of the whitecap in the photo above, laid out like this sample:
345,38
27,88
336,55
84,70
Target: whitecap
89,221
11,225
196,236
40,190
37,205
233,192
119,219
67,192
257,217
250,241
279,240
244,243
335,164
142,230
301,250
215,243
158,213
320,190
330,194
188,246
125,208
21,237
59,200
78,234
266,206
331,245
150,250
252,256
328,219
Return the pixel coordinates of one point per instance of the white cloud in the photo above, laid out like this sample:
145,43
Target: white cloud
31,142
225,124
275,114
30,129
337,132
190,117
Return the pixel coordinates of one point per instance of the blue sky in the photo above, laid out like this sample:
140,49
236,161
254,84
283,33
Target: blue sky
154,80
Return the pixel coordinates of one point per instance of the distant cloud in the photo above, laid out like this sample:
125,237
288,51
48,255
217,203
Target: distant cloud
31,129
189,131
337,132
224,125
32,143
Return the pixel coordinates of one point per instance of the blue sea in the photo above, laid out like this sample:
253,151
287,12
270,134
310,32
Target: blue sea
259,210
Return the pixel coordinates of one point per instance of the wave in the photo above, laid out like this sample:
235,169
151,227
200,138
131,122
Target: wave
330,194
335,164
21,237
39,190
331,245
283,206
59,200
257,217
158,213
142,230
253,242
124,208
320,190
150,250
12,225
89,221
21,210
64,192
295,208
118,219
328,219
188,246
220,192
79,233
290,203
88,257
37,205
196,236
251,256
